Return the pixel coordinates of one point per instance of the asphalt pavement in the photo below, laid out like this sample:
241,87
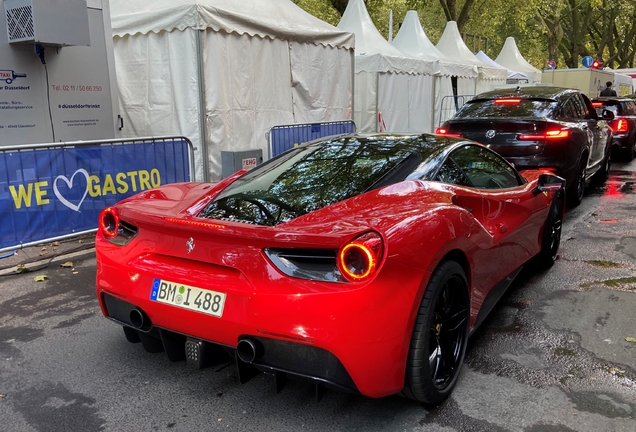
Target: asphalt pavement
556,354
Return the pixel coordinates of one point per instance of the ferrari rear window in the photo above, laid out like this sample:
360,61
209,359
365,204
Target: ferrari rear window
480,108
309,178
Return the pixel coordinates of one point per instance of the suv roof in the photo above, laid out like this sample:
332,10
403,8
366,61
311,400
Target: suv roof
547,92
612,98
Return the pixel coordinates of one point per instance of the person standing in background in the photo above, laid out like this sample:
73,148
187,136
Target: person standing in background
608,90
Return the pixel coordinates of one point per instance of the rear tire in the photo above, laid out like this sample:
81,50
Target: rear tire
440,335
577,190
551,237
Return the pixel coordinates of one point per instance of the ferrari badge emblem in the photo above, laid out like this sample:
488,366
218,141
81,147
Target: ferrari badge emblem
190,245
490,133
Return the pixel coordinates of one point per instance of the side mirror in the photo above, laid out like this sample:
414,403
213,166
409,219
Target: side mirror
608,115
549,183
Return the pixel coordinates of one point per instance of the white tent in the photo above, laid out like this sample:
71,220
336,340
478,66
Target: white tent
223,72
453,46
511,58
412,40
513,77
393,90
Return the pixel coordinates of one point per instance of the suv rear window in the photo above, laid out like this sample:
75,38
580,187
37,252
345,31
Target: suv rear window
479,108
610,105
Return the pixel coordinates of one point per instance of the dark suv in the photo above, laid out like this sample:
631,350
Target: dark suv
540,127
623,126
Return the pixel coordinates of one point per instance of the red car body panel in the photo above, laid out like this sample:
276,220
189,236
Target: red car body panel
367,325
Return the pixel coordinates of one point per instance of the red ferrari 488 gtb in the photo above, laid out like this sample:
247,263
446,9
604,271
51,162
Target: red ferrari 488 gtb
360,262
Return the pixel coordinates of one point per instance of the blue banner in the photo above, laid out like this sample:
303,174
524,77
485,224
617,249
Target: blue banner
283,138
52,192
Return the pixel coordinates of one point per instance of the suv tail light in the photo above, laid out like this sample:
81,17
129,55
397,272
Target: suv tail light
114,229
359,259
620,126
549,135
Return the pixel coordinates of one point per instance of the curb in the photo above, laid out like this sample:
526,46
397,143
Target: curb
61,257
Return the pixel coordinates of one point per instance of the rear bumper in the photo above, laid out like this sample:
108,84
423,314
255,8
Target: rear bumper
621,142
554,164
357,336
274,356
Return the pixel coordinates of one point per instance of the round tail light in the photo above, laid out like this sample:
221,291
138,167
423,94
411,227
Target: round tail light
109,222
359,259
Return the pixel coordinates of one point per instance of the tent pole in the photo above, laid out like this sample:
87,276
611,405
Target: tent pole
202,131
377,98
433,104
353,87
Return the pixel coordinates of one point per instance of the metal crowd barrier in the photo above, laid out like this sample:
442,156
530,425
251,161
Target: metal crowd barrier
450,105
53,191
283,138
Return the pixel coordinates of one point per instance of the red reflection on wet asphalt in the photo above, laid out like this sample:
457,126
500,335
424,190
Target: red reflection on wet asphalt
619,183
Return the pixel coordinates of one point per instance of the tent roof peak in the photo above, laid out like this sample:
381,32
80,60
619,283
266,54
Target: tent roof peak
274,19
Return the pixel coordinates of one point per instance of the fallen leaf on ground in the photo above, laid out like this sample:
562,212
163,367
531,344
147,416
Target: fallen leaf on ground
43,253
630,339
66,264
43,248
2,396
21,269
75,272
615,371
56,243
40,278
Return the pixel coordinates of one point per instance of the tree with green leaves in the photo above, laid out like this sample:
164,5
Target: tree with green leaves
560,30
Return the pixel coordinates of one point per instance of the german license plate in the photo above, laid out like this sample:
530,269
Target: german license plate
188,297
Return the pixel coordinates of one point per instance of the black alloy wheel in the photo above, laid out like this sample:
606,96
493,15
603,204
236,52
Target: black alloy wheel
577,190
551,237
440,335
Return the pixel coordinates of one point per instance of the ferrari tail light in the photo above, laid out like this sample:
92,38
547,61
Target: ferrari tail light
445,132
114,229
620,126
109,222
507,101
550,134
359,259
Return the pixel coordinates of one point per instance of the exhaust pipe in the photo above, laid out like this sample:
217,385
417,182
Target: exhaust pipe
137,318
249,349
